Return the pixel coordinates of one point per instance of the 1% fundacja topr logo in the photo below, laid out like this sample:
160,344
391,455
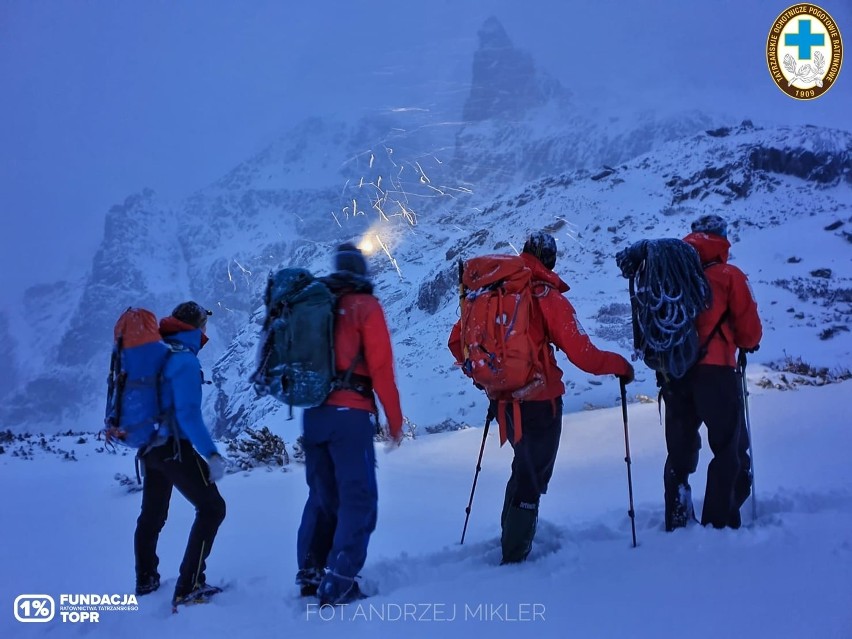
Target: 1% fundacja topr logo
34,608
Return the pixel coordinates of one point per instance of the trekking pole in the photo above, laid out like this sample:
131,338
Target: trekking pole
478,468
627,459
741,364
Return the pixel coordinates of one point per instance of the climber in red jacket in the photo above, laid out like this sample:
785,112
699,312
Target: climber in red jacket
710,392
553,323
340,462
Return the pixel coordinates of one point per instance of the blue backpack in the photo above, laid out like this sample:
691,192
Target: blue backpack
133,413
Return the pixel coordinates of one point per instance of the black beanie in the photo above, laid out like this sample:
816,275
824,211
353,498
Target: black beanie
543,246
349,258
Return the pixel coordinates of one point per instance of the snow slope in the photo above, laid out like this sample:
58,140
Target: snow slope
68,528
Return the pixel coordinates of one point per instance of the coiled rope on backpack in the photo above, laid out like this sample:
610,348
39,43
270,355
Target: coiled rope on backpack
668,290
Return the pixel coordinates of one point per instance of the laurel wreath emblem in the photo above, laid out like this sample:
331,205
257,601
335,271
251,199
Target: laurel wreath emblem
805,73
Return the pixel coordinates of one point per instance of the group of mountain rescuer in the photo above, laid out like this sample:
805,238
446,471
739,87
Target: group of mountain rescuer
325,347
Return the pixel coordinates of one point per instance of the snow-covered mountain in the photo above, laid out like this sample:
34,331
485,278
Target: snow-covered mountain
426,189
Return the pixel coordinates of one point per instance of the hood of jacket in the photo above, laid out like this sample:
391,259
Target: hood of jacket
710,247
540,273
173,330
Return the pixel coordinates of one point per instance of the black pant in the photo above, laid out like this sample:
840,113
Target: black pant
712,395
179,466
535,454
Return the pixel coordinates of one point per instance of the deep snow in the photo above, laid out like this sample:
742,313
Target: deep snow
69,528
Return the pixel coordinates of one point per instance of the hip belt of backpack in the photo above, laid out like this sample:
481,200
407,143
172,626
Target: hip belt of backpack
350,380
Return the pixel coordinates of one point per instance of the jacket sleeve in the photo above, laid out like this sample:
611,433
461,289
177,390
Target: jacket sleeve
186,386
564,330
454,343
744,321
378,355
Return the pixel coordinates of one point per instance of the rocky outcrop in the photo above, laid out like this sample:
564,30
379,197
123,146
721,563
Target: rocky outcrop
505,83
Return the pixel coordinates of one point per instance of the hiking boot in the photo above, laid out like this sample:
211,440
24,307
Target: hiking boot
147,583
742,487
679,510
336,590
735,521
518,532
308,580
200,594
508,499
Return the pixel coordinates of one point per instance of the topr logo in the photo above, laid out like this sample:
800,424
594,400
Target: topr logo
804,51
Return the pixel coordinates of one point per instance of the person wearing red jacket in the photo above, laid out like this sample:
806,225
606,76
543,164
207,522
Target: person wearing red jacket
340,463
554,323
710,392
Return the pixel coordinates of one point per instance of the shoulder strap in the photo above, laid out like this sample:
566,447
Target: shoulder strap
115,384
702,351
716,329
173,348
349,379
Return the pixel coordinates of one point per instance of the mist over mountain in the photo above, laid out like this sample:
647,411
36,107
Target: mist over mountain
426,189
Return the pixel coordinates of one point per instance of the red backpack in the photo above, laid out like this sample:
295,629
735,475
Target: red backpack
498,352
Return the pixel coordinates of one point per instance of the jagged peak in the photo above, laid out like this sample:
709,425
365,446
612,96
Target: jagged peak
143,197
505,82
492,35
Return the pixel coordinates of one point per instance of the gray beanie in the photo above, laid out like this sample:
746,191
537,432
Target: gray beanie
714,224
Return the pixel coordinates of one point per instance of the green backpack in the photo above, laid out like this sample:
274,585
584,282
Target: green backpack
296,351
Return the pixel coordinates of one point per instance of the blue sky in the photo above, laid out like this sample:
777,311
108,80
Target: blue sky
103,98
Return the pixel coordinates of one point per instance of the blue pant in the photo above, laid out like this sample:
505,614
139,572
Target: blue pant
340,468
